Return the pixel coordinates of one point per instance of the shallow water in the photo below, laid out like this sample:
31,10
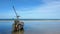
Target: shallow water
31,27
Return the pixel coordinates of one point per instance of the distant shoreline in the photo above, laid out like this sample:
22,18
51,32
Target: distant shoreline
30,19
40,20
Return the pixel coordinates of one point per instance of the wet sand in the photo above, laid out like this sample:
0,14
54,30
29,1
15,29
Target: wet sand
32,27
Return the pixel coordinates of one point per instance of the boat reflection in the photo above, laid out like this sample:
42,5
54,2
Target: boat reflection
18,32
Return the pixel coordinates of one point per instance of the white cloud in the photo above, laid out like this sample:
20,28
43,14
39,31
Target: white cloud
50,10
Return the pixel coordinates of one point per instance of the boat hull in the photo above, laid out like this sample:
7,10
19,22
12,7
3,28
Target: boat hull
18,25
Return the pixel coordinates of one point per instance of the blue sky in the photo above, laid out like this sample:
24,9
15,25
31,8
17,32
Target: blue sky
30,9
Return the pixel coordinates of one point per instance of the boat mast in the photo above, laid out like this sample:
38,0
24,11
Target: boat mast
17,17
15,13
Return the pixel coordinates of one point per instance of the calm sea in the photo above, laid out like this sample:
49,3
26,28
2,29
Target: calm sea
32,27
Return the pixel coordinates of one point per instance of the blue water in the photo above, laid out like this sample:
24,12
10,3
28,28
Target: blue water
32,27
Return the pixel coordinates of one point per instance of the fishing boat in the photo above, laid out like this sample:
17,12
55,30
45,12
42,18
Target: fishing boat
18,24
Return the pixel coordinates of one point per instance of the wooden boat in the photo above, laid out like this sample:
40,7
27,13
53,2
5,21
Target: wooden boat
18,25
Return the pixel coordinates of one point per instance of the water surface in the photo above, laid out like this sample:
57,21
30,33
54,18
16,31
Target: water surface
31,27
